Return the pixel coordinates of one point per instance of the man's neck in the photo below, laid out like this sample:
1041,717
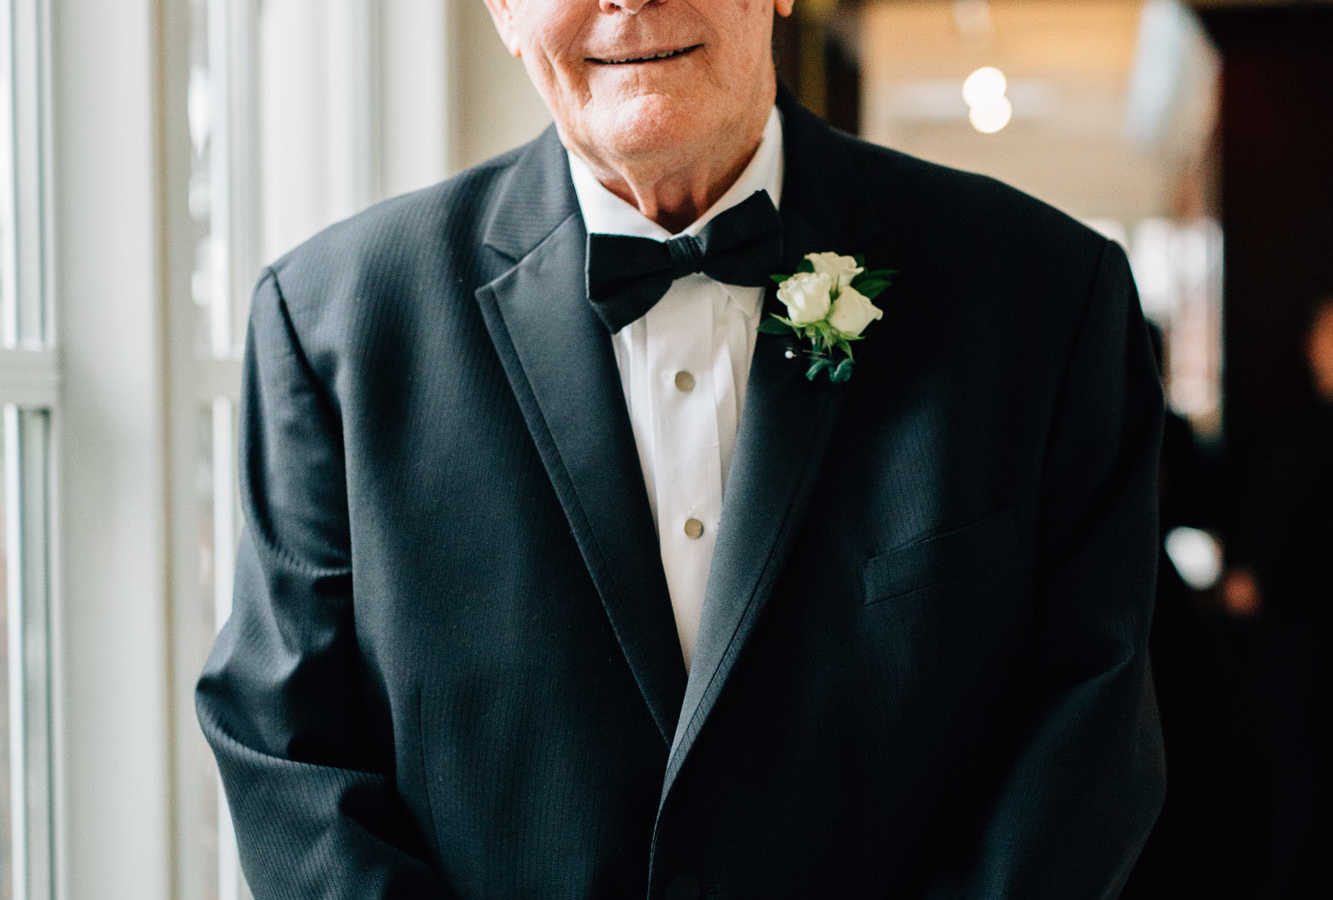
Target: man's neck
674,194
603,211
677,200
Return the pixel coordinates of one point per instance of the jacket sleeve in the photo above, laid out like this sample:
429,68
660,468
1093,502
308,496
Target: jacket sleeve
1087,780
282,699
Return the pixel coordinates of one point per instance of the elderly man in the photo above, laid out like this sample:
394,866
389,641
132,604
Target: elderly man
583,560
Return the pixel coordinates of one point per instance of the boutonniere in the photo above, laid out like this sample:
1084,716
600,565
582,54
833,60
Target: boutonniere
828,302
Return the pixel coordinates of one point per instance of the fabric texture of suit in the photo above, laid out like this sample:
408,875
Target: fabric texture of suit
451,667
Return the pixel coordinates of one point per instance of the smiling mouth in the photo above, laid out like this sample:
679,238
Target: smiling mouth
651,58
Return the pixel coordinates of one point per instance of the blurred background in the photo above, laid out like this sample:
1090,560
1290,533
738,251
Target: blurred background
154,154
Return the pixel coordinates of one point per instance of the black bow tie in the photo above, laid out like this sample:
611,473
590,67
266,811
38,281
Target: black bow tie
627,275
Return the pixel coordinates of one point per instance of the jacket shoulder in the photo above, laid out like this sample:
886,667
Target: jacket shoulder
375,276
1002,264
443,219
968,203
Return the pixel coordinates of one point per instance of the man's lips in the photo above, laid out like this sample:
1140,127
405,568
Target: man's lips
650,57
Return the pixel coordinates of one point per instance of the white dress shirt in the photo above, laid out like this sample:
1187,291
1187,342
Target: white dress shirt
683,367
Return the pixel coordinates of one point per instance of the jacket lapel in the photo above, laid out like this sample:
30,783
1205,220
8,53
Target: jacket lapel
560,363
780,447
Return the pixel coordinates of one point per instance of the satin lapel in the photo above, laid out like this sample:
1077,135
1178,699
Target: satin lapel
561,366
780,447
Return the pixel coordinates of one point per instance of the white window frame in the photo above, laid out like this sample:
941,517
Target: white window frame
109,281
30,394
102,187
107,183
213,381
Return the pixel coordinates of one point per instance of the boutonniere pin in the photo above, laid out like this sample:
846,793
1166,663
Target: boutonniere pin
828,302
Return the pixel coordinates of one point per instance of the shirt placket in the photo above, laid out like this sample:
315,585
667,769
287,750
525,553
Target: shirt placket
680,341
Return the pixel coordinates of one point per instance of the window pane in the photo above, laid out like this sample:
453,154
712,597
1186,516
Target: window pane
6,794
23,316
8,316
280,113
205,282
204,788
283,142
216,533
25,798
316,131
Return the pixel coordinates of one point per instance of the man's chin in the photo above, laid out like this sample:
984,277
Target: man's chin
650,126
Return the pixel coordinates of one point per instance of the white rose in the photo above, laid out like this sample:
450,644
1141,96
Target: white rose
842,269
852,312
807,296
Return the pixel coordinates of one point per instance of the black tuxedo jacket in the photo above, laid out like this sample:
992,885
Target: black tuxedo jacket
451,667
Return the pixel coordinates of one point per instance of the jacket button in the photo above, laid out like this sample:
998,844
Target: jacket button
683,887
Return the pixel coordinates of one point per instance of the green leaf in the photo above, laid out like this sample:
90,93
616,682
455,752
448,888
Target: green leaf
877,275
774,326
818,366
845,346
778,279
842,372
805,266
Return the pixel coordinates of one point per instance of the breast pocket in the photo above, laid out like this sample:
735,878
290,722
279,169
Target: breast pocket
985,547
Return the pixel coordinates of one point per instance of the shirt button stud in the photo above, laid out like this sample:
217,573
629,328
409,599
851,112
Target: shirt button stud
693,528
684,381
